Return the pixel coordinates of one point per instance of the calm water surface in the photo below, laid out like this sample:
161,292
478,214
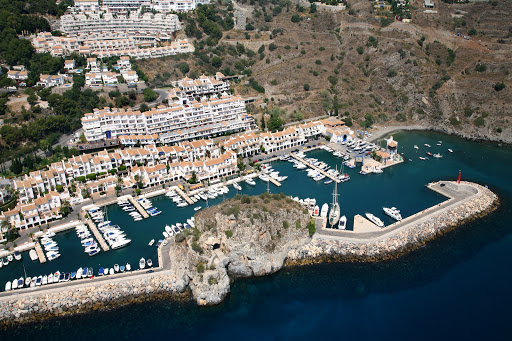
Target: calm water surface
455,287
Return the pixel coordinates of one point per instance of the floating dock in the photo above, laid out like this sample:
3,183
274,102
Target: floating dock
40,253
97,235
184,196
139,208
316,168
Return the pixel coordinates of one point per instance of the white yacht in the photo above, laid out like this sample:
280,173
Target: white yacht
250,182
334,215
374,219
149,263
33,254
393,212
343,223
151,242
142,263
263,177
237,187
325,209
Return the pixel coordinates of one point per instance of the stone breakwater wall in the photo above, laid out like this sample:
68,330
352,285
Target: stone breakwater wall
29,307
393,245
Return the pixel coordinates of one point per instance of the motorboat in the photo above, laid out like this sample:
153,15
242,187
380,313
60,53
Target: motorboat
325,209
89,272
182,204
374,219
316,211
10,258
52,256
111,271
79,273
165,234
250,182
50,278
85,272
17,255
45,280
14,284
151,242
33,254
237,187
429,153
142,263
427,145
342,225
116,267
263,177
378,170
422,158
438,156
197,208
121,268
451,151
393,212
416,147
20,282
8,286
33,282
128,267
101,272
28,280
149,263
73,275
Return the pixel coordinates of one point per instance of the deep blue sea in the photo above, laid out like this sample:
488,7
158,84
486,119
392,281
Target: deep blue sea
457,287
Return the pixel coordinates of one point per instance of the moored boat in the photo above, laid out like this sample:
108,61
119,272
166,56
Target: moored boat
393,212
374,219
149,263
142,263
325,209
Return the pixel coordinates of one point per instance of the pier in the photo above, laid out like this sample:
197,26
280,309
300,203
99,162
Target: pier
40,253
96,234
274,181
139,208
316,168
184,196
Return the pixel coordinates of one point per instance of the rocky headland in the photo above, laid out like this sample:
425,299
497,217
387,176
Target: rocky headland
242,237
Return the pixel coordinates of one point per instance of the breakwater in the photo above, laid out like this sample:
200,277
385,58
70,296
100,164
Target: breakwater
473,201
278,245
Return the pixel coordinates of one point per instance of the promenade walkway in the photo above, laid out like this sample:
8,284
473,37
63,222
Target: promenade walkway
456,194
321,171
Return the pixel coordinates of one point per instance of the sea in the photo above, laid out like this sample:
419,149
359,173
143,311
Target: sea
456,287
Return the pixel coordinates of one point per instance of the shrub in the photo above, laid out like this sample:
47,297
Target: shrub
212,280
297,224
179,237
499,86
229,233
196,247
200,267
286,224
246,199
306,87
318,62
499,130
360,50
295,18
59,188
480,67
91,176
311,228
113,171
392,73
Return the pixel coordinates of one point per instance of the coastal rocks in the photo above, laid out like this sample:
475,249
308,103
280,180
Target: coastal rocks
211,287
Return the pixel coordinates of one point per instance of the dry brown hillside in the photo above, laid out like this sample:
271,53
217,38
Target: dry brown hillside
406,72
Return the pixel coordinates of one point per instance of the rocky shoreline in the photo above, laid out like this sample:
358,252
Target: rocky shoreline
258,243
474,136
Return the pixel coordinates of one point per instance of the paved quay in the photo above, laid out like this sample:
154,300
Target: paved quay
138,207
40,253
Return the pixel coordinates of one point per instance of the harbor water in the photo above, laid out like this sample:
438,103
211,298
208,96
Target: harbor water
456,286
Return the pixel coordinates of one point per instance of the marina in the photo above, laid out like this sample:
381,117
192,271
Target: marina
351,205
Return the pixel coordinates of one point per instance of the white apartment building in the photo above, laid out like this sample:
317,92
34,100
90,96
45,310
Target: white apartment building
87,6
174,123
202,86
142,27
177,5
125,5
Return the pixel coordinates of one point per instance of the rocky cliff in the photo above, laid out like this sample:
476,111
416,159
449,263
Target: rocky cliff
242,237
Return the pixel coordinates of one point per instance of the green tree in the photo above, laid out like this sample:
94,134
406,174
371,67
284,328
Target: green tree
149,94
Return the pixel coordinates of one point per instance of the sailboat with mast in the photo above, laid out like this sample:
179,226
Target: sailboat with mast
334,214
